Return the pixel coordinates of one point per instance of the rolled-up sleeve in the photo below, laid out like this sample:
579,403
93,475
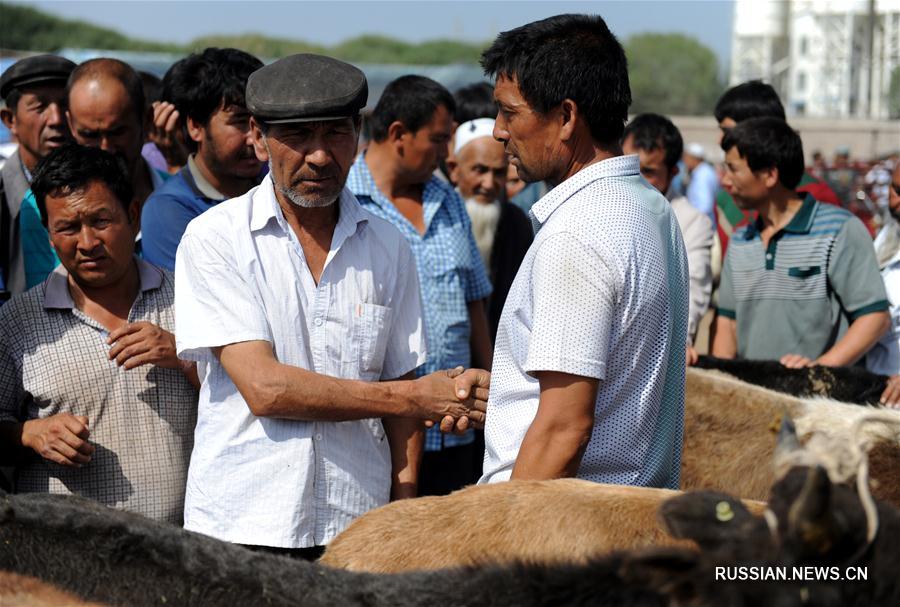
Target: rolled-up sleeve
214,305
569,279
406,342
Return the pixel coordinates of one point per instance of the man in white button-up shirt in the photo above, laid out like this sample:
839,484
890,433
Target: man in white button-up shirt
288,296
588,370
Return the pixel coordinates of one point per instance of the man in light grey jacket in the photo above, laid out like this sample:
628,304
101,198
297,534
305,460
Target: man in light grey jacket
658,144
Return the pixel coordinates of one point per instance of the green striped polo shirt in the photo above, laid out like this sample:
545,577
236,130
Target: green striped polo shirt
799,294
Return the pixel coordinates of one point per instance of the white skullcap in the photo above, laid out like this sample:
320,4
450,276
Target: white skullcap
473,129
696,150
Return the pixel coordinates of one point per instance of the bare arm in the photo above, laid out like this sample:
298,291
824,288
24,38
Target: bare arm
555,442
724,337
480,338
861,335
407,442
273,389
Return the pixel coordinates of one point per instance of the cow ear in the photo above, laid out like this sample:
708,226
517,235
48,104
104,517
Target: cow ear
811,520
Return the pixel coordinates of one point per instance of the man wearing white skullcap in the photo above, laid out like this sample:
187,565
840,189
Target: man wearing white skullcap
704,181
502,231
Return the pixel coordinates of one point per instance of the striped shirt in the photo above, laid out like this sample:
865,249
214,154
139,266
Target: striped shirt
799,294
451,273
54,359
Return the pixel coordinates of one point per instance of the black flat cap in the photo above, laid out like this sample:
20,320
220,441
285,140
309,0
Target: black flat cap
32,70
305,88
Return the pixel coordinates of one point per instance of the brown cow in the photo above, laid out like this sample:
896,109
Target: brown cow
565,520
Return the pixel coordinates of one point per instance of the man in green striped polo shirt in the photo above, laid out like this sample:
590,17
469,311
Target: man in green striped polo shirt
800,284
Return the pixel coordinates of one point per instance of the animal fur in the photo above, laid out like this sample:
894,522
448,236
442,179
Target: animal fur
566,520
730,428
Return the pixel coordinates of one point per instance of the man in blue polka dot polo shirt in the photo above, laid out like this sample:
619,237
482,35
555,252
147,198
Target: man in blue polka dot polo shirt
589,366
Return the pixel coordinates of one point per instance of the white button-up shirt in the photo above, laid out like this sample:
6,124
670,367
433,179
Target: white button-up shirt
601,293
241,276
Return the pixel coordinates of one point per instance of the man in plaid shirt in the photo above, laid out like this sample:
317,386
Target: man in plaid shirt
411,129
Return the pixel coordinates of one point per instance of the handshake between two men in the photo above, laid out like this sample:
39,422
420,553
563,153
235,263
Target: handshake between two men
466,405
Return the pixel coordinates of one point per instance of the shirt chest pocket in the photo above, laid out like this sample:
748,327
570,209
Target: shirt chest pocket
807,281
369,332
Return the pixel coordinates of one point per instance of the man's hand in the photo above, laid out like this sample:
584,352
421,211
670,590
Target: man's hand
456,398
796,361
60,438
141,343
691,356
891,395
166,133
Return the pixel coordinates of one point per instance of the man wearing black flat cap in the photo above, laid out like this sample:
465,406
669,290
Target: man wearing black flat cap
304,310
34,92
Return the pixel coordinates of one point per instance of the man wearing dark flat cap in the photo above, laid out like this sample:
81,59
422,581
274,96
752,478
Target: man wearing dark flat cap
34,92
303,311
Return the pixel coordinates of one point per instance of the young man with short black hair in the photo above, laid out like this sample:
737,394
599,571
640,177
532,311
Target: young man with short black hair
754,99
800,284
207,90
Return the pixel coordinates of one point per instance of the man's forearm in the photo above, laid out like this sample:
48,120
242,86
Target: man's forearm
327,398
724,337
407,442
861,335
548,453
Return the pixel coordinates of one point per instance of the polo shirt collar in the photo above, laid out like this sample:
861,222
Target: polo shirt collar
618,166
265,208
801,223
56,291
202,184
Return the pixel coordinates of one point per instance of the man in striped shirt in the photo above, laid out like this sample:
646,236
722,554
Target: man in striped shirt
801,283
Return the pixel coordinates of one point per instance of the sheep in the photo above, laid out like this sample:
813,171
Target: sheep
23,591
844,384
729,435
565,520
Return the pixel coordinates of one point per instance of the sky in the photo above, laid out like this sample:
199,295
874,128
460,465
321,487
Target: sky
413,21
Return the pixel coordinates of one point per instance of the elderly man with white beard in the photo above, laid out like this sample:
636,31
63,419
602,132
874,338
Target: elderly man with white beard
302,307
502,231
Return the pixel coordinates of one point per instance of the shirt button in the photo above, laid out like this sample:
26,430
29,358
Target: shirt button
768,256
318,437
318,322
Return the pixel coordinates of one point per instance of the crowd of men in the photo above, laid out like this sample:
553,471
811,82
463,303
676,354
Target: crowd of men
231,314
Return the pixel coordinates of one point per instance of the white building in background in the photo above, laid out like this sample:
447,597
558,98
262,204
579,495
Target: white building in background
826,58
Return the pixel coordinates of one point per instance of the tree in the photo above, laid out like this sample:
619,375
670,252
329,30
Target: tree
672,74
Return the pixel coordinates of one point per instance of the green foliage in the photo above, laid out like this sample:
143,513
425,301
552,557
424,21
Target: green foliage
894,94
672,74
379,49
257,44
27,29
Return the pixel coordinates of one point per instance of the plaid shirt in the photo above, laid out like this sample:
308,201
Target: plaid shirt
451,273
53,359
